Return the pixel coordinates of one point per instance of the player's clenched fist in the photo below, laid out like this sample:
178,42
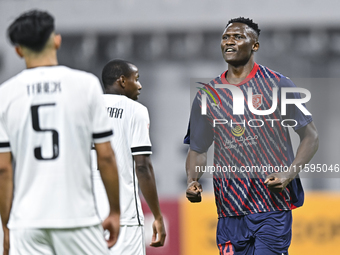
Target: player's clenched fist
277,182
194,191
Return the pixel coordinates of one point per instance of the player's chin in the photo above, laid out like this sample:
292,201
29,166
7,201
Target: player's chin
136,97
230,59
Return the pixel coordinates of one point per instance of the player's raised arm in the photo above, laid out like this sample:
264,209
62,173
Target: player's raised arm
194,189
6,194
147,183
109,174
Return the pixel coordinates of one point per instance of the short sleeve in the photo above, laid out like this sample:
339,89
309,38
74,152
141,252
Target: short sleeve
101,128
4,139
200,133
292,111
187,136
140,143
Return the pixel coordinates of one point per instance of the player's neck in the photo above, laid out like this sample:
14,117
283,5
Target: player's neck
113,90
236,74
48,58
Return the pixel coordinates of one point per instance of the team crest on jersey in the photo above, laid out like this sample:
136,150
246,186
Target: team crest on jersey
257,101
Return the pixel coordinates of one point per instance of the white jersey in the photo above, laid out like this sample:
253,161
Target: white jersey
49,117
130,120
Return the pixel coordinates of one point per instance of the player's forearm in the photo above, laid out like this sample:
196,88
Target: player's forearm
147,184
109,174
308,146
6,192
194,162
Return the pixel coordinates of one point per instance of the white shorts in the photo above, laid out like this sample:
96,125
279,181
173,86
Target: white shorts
71,241
130,241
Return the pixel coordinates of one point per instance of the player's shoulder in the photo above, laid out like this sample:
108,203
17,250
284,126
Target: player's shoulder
80,79
210,85
137,105
137,109
60,71
9,88
132,104
77,73
283,81
267,72
14,79
216,80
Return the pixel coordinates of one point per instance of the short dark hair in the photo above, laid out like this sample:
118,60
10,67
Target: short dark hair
248,22
31,29
114,69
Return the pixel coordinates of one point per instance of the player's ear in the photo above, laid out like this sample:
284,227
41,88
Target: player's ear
57,41
122,81
256,46
18,50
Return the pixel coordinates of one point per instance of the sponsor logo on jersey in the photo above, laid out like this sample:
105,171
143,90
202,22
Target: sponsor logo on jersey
238,130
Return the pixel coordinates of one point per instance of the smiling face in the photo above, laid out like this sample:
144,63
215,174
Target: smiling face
238,43
132,85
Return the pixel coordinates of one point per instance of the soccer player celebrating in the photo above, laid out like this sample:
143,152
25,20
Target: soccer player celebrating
133,149
254,209
49,117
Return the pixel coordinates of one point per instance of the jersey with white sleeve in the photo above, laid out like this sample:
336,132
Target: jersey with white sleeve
49,118
130,120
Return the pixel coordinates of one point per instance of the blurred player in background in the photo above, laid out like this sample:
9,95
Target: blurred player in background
254,211
49,117
133,149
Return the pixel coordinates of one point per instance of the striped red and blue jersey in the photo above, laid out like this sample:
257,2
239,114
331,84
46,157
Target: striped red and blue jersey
252,140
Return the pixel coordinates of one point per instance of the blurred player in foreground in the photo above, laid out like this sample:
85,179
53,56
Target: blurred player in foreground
254,208
49,117
132,145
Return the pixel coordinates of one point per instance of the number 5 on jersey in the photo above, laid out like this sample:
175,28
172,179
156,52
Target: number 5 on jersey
36,127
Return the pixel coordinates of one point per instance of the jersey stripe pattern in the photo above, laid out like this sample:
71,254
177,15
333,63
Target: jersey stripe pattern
248,140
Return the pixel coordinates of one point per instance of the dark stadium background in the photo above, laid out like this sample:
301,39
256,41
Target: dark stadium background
172,41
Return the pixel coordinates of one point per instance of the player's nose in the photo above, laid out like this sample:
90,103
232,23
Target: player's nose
230,41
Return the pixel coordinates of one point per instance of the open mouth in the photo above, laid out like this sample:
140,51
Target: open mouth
230,50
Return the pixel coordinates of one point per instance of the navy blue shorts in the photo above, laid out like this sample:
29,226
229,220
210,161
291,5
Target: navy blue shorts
268,233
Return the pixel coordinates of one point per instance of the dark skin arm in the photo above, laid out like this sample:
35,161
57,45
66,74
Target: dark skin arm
309,143
6,195
194,188
109,174
147,183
